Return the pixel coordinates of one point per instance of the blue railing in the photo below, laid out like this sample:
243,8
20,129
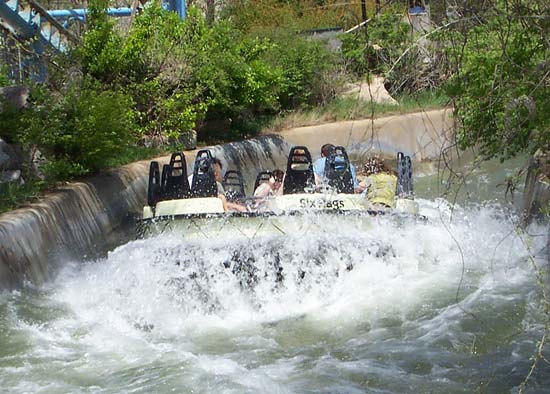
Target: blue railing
27,18
40,29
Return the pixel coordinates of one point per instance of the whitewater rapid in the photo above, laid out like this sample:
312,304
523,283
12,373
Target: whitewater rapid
450,304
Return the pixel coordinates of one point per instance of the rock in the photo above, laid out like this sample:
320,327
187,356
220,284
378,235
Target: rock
189,140
9,159
15,95
370,92
37,161
11,176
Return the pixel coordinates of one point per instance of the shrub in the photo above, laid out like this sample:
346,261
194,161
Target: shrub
79,130
178,71
306,65
500,89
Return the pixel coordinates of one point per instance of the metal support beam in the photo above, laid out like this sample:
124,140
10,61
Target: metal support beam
81,13
177,6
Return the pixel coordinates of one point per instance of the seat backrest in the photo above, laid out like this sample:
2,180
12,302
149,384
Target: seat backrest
154,191
338,170
299,171
263,177
174,178
233,184
404,176
204,180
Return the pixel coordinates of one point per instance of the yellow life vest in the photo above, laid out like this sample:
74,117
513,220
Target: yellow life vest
382,188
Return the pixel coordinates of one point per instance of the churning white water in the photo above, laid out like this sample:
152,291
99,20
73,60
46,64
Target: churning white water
450,304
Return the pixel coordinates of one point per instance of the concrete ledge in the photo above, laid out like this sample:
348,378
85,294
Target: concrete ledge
422,135
77,220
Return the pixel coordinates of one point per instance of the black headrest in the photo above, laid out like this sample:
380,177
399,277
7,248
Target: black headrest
299,171
174,177
233,184
204,180
154,191
337,171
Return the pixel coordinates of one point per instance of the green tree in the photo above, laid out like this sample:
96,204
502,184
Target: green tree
80,129
375,48
501,82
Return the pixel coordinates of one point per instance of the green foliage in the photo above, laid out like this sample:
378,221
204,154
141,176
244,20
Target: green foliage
4,80
501,89
99,50
376,47
306,66
12,194
178,72
145,66
182,72
233,73
9,121
99,53
79,130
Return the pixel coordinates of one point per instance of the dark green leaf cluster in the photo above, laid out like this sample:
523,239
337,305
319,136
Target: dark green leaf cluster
79,131
501,87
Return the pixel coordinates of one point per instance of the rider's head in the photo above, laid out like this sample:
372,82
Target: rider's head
325,149
278,176
374,165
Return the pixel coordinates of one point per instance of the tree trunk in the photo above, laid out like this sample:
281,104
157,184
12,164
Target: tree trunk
536,195
210,11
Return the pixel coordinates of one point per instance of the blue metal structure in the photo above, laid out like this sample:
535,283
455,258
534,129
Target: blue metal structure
41,29
28,19
80,13
177,6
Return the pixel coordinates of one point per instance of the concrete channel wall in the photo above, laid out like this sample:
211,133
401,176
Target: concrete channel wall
82,219
421,135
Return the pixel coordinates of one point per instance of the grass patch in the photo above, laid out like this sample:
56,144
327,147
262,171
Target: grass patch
349,108
13,195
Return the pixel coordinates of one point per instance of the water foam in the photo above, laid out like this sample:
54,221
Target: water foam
261,314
